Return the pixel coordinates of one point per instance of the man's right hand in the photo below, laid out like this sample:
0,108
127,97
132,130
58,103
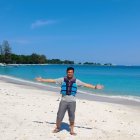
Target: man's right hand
39,79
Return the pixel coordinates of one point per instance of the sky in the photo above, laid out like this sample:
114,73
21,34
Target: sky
104,31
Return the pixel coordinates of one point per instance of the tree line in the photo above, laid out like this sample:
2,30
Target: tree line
7,57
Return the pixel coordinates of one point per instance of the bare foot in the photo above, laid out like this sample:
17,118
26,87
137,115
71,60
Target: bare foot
72,133
56,130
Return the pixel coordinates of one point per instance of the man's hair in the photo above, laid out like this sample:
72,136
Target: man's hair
70,68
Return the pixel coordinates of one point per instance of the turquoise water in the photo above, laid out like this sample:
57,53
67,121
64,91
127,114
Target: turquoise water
118,80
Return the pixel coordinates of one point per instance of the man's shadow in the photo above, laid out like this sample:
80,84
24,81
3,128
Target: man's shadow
64,126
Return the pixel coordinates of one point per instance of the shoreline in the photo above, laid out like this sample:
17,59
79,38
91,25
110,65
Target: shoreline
81,94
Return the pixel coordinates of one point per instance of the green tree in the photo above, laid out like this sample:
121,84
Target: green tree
6,51
42,59
1,54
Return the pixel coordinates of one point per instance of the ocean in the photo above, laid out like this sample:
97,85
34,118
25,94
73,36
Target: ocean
121,81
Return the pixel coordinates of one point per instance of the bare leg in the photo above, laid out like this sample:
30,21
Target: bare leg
72,128
57,128
71,113
60,115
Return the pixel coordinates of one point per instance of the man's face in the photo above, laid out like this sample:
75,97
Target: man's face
70,73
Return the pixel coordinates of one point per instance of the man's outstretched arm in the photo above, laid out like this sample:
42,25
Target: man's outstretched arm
94,86
45,80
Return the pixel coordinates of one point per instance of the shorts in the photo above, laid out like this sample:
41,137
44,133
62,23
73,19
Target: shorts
66,106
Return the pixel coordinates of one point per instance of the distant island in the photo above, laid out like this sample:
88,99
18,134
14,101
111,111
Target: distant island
7,57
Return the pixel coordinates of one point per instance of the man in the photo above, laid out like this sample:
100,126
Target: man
68,101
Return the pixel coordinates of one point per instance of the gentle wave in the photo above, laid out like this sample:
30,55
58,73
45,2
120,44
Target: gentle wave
26,81
131,98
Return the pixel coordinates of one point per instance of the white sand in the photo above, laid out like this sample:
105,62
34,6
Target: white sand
29,114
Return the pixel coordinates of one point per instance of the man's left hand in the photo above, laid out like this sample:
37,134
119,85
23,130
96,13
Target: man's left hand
99,86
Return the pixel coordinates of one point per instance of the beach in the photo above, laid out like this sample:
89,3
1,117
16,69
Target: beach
29,113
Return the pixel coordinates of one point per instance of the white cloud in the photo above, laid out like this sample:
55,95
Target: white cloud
39,23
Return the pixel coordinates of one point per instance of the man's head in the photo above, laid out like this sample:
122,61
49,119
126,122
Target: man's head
70,72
